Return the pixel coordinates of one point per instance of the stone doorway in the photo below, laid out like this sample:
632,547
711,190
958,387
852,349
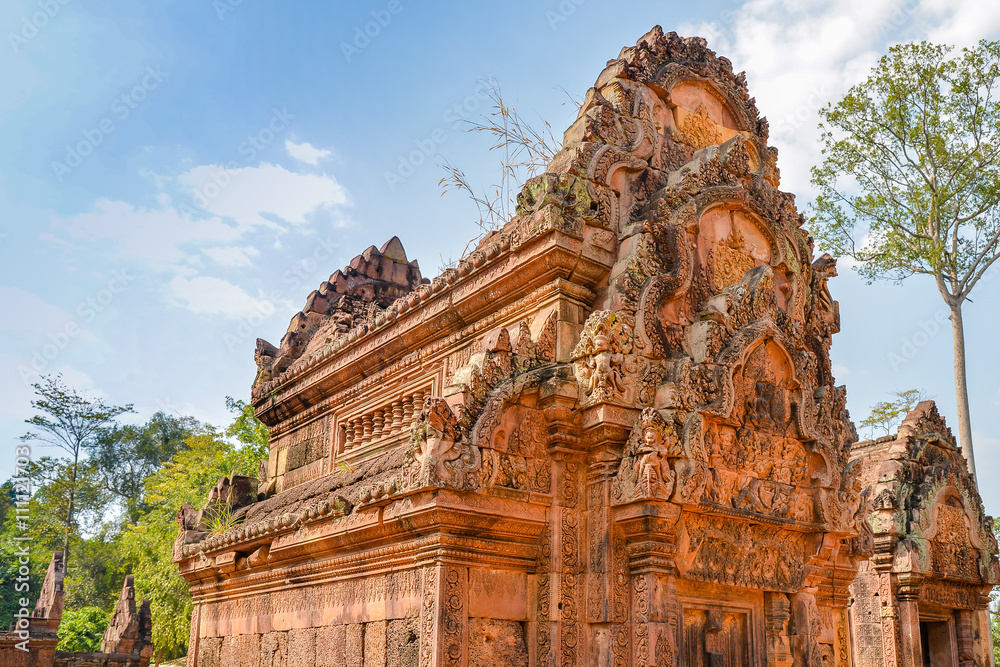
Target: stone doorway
938,644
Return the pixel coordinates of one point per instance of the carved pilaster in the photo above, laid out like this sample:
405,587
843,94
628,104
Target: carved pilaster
653,633
777,611
907,593
620,644
453,616
598,544
965,639
648,530
192,657
841,638
545,625
569,563
444,617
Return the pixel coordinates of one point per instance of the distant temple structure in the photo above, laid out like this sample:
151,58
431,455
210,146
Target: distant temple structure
922,598
127,642
609,436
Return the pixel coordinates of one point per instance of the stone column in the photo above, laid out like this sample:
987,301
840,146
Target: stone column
777,611
367,424
397,417
358,432
965,638
444,615
407,411
909,624
889,613
561,632
600,558
567,562
192,656
648,527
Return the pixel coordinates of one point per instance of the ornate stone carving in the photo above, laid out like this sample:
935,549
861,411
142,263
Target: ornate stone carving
439,455
603,358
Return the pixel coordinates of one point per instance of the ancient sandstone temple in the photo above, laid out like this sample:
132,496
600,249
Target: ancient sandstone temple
922,598
610,436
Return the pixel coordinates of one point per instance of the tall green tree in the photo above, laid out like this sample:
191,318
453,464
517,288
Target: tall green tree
147,546
910,181
72,422
125,455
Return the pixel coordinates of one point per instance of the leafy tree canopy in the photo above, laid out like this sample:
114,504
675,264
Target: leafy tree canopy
886,415
81,630
910,180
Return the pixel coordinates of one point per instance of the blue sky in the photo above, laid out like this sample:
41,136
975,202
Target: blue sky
177,176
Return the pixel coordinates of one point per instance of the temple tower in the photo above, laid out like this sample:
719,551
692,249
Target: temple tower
609,436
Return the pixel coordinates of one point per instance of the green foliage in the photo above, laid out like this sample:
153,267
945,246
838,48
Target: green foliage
81,630
124,456
887,414
72,422
54,482
220,518
147,546
67,419
910,180
94,578
7,497
11,590
246,428
114,498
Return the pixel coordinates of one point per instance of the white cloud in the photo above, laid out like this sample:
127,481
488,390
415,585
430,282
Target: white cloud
254,196
960,22
210,296
306,152
231,255
161,237
175,238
